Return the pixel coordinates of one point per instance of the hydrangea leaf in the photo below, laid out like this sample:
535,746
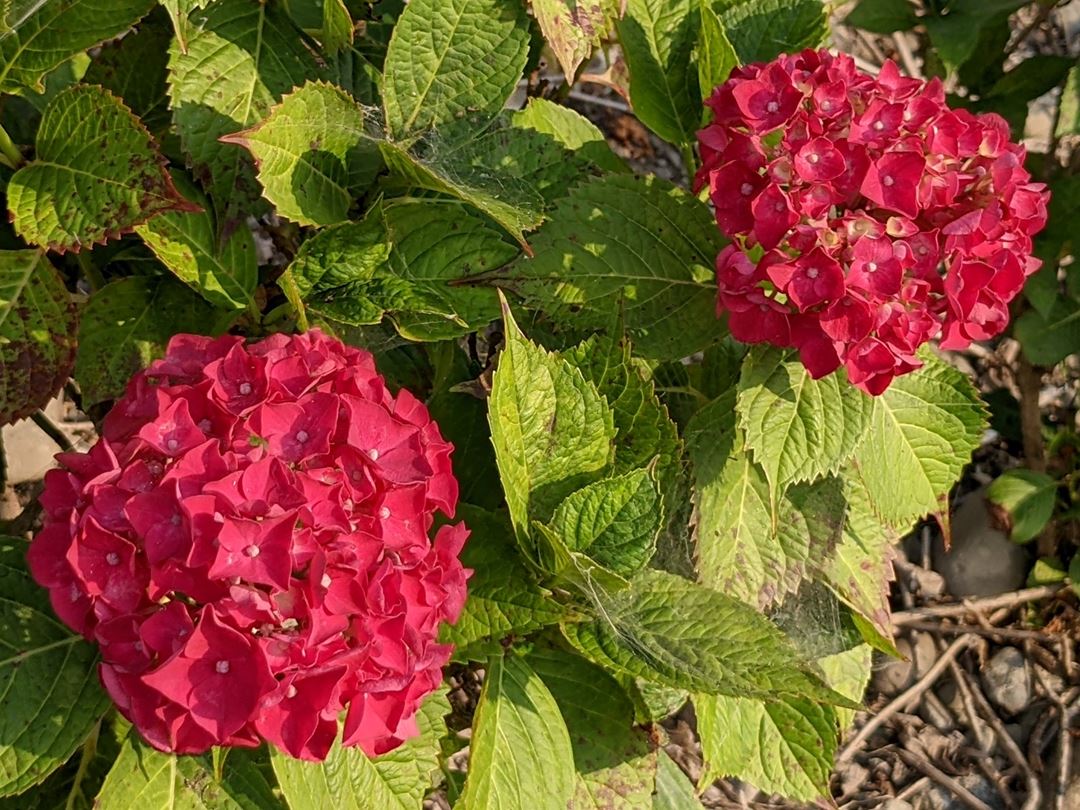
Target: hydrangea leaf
674,790
922,432
399,261
551,428
613,757
178,11
520,753
313,154
97,174
509,200
1027,499
716,56
675,632
452,58
38,323
860,569
127,324
224,272
142,777
503,597
761,30
658,39
883,16
37,42
134,69
570,129
48,676
572,28
615,521
799,428
784,746
349,780
742,549
241,57
436,244
1048,338
635,242
848,672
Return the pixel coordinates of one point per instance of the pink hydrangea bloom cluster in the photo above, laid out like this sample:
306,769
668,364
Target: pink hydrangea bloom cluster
866,216
248,544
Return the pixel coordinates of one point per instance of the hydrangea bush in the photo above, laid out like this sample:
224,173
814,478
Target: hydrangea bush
437,453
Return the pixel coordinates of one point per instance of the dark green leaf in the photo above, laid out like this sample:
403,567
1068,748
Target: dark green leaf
637,243
46,34
658,38
450,59
882,16
97,174
38,324
48,679
127,324
241,57
614,760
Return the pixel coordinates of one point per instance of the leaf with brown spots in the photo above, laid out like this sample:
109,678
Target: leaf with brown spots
37,333
574,27
97,174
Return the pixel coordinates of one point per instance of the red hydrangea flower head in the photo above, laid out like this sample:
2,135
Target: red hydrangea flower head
249,544
866,217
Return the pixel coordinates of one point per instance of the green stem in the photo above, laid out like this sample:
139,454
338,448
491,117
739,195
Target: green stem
689,160
89,750
52,431
10,155
92,275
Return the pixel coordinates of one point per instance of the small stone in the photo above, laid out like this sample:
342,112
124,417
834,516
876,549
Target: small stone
894,675
982,560
852,776
1007,680
940,798
924,653
895,804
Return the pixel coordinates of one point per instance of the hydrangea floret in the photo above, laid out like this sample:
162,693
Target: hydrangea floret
249,545
866,216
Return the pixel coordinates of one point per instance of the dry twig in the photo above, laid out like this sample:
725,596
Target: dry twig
1005,600
905,699
1012,750
943,779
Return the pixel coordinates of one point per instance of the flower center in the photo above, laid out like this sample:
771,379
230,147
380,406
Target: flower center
301,436
826,105
112,558
887,181
871,267
172,444
746,189
252,550
772,106
879,125
205,426
222,667
812,272
384,512
176,520
291,691
373,454
245,389
780,206
814,158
